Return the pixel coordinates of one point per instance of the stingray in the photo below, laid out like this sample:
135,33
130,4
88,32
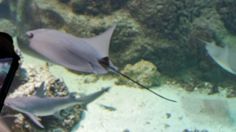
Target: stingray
223,56
89,55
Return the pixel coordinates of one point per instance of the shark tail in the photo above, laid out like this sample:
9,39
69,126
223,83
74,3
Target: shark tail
90,98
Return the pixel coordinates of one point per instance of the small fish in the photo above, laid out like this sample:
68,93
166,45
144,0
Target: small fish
223,56
110,108
89,55
40,105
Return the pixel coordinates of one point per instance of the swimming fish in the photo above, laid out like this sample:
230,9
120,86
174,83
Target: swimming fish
109,108
40,105
89,55
223,56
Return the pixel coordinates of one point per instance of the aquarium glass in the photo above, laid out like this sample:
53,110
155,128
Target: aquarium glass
121,65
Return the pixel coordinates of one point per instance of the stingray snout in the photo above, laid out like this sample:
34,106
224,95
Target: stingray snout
30,35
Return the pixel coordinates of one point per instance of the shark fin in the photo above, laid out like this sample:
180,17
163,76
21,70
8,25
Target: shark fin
40,92
83,107
34,119
102,42
89,98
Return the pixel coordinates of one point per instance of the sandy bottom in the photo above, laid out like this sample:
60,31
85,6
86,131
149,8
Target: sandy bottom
137,110
126,109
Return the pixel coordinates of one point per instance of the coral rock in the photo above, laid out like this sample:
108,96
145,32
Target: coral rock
143,72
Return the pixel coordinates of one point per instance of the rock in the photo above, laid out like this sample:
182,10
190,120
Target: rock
21,13
28,15
96,7
143,72
169,18
4,9
231,92
226,9
169,25
125,42
7,26
49,17
64,1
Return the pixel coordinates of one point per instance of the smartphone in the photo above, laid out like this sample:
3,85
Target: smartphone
5,64
9,63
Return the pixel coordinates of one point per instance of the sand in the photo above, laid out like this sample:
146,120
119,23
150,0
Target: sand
139,111
136,110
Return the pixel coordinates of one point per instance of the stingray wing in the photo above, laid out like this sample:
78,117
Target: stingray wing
102,42
231,58
79,54
59,48
220,55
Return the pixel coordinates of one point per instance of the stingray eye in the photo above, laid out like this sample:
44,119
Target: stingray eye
30,35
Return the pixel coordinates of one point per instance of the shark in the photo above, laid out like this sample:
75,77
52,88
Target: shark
87,55
40,105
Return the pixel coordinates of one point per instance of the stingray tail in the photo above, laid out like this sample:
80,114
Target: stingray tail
106,63
118,72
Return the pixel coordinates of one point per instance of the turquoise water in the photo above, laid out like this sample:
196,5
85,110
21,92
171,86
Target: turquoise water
182,50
